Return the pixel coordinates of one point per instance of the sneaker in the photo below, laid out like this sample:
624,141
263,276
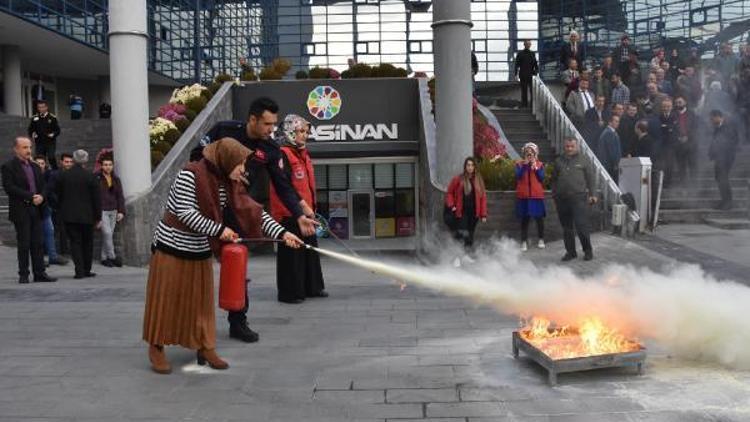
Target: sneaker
469,259
588,256
541,244
117,262
107,263
457,262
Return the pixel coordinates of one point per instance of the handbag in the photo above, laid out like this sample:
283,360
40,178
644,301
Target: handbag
450,219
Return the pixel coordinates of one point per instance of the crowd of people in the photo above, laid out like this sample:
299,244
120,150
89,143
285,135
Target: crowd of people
673,108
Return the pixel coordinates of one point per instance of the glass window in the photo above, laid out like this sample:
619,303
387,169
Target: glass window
384,176
404,175
360,176
322,204
405,203
385,204
321,176
337,176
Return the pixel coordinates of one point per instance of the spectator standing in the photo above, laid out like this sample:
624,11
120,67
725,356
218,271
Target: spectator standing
573,190
608,67
579,102
595,121
620,92
526,67
718,99
48,227
75,102
573,49
474,72
644,142
725,64
626,130
668,74
530,194
665,125
113,208
23,182
686,148
676,63
298,271
570,78
81,211
609,148
689,86
600,85
632,77
44,130
664,86
724,142
622,57
467,199
656,61
66,163
105,111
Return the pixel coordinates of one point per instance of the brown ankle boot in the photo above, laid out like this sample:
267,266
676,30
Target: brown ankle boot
210,356
159,362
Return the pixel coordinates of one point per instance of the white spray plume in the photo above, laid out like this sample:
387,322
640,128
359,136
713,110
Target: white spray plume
684,310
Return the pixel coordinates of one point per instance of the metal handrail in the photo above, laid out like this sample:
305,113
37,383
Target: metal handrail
558,126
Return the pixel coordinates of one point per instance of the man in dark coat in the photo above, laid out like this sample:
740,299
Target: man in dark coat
23,182
626,131
525,68
664,129
572,50
81,211
595,121
264,166
687,145
44,130
724,142
609,148
621,57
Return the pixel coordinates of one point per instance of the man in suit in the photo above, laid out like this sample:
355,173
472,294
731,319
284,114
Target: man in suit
600,85
628,136
579,102
643,143
571,50
609,149
621,57
665,132
24,184
525,68
686,146
80,210
595,120
724,142
44,130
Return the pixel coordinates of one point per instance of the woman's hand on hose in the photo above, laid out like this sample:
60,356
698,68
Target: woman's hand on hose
228,235
292,241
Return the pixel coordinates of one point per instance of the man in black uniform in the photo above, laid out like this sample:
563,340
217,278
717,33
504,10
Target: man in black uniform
44,130
525,69
266,163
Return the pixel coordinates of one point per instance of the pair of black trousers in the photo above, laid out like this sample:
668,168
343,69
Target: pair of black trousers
81,238
298,271
30,239
46,147
526,92
465,232
721,173
525,221
62,246
574,218
686,161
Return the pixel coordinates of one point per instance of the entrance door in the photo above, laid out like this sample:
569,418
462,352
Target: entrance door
361,214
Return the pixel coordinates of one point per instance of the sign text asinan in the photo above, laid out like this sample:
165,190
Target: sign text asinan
357,132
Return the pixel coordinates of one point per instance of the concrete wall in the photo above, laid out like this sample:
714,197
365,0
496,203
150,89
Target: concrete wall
144,211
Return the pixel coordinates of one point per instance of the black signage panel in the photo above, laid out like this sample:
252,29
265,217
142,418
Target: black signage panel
344,113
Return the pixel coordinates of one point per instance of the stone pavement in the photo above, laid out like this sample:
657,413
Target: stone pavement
71,351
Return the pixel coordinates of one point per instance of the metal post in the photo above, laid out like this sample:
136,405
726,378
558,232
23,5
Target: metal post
12,80
128,63
452,36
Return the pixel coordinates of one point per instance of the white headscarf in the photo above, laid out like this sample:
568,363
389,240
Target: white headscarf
288,129
532,146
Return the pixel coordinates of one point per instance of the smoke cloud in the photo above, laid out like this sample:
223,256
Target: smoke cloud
689,313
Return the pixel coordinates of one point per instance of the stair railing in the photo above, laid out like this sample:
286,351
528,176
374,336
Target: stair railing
558,126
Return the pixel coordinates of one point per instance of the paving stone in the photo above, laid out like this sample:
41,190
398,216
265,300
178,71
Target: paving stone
441,410
351,396
421,395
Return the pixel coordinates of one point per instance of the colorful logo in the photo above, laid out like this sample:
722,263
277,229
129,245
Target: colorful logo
324,102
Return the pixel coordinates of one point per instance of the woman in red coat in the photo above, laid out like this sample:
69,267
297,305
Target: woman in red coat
467,200
530,194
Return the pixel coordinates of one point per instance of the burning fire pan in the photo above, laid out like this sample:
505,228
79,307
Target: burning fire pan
577,364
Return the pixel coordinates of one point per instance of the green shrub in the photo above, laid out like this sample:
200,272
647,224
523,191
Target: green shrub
270,74
214,87
301,74
359,70
248,75
190,114
171,137
207,94
163,147
197,104
156,158
223,77
182,124
318,73
498,175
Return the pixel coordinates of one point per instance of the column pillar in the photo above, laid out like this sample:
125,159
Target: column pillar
12,80
452,46
128,67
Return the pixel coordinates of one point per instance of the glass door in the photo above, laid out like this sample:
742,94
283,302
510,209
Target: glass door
361,214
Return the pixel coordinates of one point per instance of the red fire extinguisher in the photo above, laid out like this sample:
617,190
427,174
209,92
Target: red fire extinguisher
232,281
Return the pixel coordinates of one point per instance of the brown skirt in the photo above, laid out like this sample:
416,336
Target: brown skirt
180,303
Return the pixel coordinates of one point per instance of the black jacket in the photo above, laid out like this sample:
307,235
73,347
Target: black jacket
526,64
78,196
265,164
641,147
566,53
41,127
20,205
724,141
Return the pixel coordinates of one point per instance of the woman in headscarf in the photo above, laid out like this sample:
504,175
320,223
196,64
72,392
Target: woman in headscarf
298,272
530,193
467,200
180,291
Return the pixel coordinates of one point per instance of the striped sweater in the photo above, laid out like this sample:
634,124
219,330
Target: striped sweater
183,202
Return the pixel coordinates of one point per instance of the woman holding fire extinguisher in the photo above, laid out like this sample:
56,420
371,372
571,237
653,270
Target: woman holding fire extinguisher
179,296
298,272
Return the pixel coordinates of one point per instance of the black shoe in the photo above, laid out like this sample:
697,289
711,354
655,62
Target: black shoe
79,276
321,293
58,261
292,301
107,263
89,274
117,262
569,257
588,256
44,278
243,333
24,279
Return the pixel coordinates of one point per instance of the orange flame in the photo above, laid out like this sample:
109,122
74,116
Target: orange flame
591,338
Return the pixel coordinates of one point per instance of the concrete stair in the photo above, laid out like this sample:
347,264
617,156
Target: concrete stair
521,126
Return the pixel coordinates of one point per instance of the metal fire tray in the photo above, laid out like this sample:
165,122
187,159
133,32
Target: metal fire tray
554,367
